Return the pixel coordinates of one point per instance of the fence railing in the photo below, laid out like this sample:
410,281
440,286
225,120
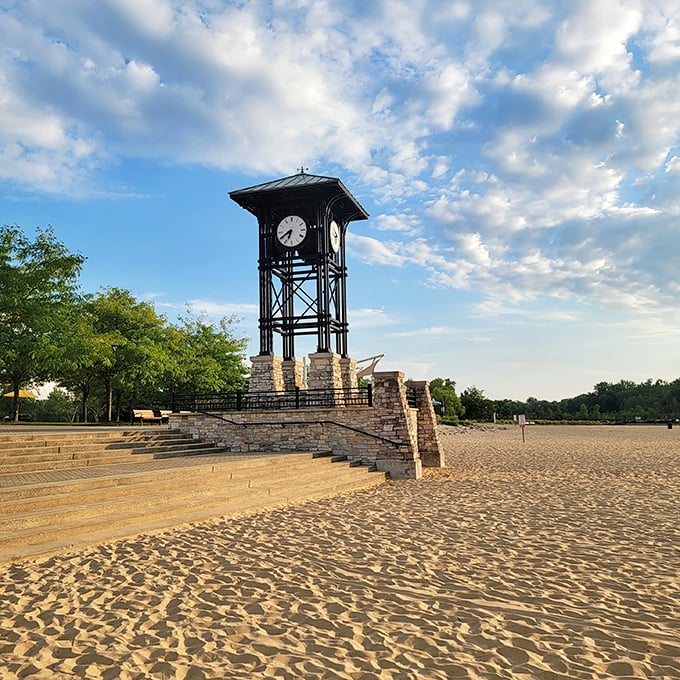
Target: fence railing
273,401
411,398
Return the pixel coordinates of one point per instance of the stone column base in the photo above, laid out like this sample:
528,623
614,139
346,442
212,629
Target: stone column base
266,374
293,374
324,371
348,371
401,469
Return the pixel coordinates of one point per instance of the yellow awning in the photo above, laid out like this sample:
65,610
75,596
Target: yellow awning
23,394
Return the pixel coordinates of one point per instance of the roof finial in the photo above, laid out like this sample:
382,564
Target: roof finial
302,169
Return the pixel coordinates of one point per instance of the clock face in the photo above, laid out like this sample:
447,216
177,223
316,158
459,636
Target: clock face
291,231
335,235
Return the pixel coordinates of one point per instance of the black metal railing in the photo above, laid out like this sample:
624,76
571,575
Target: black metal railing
273,401
411,397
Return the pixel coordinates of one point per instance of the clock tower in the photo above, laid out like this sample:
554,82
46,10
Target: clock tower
302,222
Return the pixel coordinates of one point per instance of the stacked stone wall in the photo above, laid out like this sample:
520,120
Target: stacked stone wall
324,371
293,374
429,444
386,434
266,373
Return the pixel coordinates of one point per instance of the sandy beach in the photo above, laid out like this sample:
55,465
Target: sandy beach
558,557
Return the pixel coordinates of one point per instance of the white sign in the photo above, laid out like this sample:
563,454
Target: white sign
522,420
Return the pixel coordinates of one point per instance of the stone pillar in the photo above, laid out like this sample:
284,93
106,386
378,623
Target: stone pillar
399,423
348,372
429,445
324,371
266,374
293,374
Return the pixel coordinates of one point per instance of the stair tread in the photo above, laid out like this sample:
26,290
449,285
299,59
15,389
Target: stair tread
154,489
43,477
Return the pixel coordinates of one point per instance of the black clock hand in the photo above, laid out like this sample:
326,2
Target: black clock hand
287,235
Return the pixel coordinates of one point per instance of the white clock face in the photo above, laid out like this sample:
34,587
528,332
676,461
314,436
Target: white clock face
291,231
335,235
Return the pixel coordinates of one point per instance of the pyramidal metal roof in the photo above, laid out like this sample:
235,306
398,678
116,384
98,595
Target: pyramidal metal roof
299,182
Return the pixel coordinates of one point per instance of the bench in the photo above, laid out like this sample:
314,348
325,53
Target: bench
150,415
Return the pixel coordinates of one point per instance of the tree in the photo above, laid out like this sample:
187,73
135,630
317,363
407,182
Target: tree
132,333
206,357
38,280
444,390
57,408
476,405
84,354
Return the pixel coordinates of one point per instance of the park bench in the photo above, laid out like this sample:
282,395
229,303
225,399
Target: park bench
149,415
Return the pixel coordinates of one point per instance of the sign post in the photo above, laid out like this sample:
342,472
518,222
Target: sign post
522,423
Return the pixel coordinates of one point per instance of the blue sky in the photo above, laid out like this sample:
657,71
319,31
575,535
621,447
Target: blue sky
520,161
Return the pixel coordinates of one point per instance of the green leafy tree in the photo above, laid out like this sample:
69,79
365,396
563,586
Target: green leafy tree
444,390
38,280
59,407
132,333
85,354
476,405
506,409
206,356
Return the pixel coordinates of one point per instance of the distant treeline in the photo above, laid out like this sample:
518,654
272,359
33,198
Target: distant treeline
621,401
624,401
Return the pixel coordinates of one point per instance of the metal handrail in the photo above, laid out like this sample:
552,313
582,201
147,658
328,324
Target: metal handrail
275,400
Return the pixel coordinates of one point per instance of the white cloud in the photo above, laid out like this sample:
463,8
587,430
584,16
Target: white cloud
211,308
439,331
401,222
673,165
369,318
373,251
502,142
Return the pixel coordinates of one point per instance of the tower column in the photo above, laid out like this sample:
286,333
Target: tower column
348,373
324,371
293,374
266,374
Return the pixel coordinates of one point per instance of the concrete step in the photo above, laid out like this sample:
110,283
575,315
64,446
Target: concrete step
53,448
46,438
44,459
60,457
34,542
61,508
124,483
151,507
65,463
17,447
59,490
31,485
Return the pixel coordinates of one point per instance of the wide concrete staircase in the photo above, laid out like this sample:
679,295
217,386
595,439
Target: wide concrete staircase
71,489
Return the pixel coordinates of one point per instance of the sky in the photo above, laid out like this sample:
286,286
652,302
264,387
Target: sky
519,159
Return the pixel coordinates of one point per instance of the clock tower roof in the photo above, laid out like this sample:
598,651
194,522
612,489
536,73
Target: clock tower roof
298,186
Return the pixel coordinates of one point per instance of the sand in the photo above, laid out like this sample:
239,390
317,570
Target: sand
554,558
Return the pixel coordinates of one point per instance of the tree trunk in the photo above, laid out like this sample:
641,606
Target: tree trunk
109,399
15,401
86,393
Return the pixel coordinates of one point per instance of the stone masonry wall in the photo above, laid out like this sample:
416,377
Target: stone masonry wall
266,373
385,434
324,371
429,444
293,374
